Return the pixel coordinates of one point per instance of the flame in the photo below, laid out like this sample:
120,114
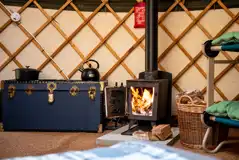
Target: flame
142,102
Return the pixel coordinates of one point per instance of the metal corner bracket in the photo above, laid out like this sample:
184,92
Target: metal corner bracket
102,86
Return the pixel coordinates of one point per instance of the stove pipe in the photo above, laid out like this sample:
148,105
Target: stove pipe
151,36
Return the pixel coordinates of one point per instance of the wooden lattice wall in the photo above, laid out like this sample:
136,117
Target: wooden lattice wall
138,41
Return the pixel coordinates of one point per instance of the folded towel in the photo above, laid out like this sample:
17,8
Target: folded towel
233,110
227,38
219,109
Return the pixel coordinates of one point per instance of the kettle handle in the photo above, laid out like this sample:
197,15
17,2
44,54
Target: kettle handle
98,65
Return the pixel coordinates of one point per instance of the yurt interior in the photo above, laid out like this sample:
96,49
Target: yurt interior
119,79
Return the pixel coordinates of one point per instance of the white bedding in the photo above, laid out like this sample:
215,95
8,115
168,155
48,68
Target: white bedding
134,150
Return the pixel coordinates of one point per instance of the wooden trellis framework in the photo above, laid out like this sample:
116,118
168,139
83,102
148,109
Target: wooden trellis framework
138,41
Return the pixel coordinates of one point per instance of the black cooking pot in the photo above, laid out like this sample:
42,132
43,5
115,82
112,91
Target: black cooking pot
26,74
90,74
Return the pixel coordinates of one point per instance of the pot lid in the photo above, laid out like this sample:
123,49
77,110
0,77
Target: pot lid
26,69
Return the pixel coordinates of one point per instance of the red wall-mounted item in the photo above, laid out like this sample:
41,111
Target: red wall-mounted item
139,14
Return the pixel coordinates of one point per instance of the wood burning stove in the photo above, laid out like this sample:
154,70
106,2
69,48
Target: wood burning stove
147,100
149,97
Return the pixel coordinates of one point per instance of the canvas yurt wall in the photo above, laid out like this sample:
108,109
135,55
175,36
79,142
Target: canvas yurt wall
109,37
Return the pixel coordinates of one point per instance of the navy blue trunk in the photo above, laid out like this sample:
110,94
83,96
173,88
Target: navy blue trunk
77,105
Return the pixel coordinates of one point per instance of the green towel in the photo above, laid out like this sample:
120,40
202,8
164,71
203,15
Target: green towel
218,109
233,110
227,38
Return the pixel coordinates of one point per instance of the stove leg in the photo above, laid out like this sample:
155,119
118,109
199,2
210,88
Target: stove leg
131,123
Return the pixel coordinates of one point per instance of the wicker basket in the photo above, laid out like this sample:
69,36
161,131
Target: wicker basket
191,128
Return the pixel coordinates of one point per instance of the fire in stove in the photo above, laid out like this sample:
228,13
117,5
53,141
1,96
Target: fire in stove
142,101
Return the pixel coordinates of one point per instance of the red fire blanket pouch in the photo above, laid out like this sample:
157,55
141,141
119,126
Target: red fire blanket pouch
139,14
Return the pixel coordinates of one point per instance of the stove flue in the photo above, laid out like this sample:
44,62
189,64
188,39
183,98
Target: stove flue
151,38
151,50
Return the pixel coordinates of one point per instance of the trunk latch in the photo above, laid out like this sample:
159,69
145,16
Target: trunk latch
29,89
74,90
11,91
51,86
92,93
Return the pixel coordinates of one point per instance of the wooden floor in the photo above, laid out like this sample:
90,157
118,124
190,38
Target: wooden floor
14,144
